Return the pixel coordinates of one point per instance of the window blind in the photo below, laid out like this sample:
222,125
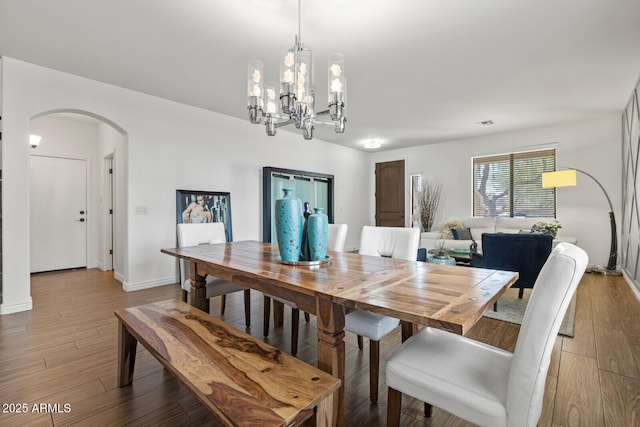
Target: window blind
511,185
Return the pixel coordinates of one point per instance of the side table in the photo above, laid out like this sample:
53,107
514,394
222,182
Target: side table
460,257
440,259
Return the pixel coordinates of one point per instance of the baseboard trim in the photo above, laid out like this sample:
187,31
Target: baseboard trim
129,287
634,285
16,308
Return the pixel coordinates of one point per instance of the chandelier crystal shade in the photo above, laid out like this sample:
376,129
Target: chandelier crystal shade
293,100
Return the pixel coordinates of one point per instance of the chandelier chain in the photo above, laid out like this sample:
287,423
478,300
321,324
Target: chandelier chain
299,26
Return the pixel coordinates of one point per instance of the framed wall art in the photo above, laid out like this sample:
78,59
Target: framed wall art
194,206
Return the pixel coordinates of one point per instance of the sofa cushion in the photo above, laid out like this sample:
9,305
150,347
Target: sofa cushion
513,225
480,222
476,233
461,233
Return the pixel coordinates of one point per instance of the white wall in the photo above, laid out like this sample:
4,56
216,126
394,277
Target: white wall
168,146
591,145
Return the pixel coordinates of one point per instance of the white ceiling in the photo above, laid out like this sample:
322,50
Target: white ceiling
419,71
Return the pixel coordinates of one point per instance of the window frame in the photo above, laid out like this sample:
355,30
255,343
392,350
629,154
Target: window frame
268,216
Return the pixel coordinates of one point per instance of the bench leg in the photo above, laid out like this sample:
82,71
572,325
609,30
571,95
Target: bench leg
126,355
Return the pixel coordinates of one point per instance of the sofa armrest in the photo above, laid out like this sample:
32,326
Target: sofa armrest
429,239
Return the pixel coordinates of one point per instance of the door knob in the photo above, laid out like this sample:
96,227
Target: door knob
81,219
81,212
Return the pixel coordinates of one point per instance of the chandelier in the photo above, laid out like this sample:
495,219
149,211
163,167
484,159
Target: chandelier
296,92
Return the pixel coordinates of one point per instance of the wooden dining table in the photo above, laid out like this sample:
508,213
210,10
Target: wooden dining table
452,298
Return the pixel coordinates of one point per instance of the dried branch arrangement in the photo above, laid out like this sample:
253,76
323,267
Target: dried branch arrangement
429,202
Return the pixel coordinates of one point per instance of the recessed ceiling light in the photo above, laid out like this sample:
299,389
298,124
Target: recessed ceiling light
372,144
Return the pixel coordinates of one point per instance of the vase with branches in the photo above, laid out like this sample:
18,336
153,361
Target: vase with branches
429,202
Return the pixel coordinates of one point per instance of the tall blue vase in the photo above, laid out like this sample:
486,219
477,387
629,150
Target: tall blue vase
289,226
318,232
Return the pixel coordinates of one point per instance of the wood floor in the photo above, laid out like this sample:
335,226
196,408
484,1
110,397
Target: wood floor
58,361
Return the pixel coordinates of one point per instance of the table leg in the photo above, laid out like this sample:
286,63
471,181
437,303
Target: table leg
407,329
198,293
331,351
126,355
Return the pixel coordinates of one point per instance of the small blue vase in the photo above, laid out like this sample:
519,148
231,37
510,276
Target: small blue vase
318,232
289,226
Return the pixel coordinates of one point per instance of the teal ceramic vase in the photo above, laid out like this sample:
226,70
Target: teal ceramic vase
318,234
289,226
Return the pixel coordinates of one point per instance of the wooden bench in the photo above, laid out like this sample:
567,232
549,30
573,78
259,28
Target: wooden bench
241,380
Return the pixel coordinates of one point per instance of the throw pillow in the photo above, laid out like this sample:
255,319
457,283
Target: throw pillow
461,233
446,226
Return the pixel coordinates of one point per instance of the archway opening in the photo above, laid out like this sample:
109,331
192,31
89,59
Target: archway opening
86,201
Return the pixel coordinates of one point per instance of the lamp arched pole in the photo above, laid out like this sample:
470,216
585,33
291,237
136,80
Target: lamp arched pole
613,252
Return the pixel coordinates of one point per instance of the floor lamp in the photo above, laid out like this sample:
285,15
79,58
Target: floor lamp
567,178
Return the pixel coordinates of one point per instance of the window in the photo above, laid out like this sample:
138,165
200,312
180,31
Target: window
511,185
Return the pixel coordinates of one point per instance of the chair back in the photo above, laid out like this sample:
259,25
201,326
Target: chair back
524,253
394,242
337,237
197,234
550,298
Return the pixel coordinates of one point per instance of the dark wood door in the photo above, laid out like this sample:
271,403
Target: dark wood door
390,194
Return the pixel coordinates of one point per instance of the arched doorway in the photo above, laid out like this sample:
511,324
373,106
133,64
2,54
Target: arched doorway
93,200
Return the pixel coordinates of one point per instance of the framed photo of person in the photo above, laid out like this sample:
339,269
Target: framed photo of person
204,206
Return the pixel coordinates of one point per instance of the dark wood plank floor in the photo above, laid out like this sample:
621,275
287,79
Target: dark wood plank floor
58,361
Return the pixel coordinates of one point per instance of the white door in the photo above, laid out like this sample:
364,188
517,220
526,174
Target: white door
58,213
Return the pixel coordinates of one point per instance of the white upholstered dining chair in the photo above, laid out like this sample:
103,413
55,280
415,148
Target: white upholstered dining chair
335,242
394,242
480,383
337,237
198,234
